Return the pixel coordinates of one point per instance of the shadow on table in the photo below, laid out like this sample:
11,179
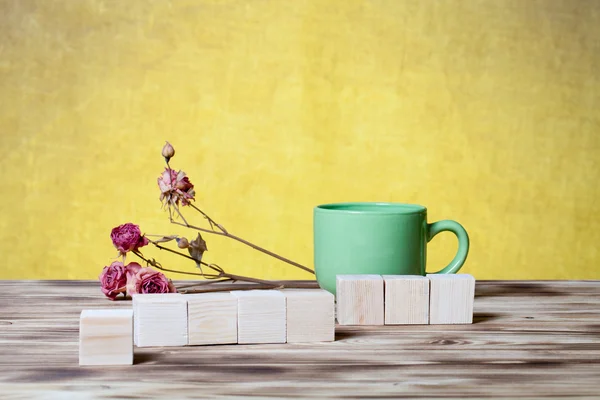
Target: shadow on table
487,317
518,289
143,358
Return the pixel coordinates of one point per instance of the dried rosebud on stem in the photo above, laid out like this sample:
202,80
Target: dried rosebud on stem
168,151
182,243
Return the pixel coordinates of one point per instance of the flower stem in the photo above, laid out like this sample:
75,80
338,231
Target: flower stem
219,275
226,287
210,220
157,265
248,279
287,260
224,232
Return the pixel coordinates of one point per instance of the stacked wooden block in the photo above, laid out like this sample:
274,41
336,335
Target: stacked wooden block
405,299
244,317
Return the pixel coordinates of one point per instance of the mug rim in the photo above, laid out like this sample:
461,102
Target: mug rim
378,208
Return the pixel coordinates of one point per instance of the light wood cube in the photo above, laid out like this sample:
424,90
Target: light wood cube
451,298
160,319
310,315
406,299
261,316
212,318
359,299
106,337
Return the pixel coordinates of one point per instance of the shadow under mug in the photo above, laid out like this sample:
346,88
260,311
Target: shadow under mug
377,238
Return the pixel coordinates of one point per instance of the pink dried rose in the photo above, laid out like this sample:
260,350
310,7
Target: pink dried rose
128,237
131,269
175,187
113,279
147,280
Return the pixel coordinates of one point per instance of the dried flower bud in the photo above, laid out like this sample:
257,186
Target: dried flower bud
168,151
182,243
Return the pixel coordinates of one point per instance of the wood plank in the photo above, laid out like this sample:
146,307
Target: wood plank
536,339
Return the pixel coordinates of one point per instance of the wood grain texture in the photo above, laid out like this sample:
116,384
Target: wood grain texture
160,320
451,298
212,318
359,299
310,315
528,339
261,316
406,299
106,337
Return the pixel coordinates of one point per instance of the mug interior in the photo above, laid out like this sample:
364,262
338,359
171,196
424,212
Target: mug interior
375,208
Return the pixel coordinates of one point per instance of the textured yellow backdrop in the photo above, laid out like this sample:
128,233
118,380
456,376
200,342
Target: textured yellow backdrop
484,111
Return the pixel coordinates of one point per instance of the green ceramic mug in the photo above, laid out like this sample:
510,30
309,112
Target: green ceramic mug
377,238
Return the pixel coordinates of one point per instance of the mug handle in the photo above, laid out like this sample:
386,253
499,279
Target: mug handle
463,243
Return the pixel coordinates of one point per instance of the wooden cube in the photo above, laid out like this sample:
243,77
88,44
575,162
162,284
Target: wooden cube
160,319
106,337
212,318
359,299
310,315
261,316
451,298
406,299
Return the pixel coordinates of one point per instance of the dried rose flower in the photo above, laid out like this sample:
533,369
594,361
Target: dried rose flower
131,269
168,151
113,279
128,237
147,280
175,187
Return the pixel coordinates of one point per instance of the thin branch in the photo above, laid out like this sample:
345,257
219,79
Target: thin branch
220,272
157,265
186,225
218,289
247,279
178,212
204,283
227,287
287,260
214,267
247,243
210,220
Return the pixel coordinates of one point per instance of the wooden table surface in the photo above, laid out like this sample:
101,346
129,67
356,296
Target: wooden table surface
529,339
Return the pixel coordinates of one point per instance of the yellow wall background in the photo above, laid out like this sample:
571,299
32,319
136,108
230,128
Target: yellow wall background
484,111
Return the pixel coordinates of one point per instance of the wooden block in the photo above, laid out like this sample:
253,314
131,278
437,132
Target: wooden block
160,319
212,318
310,315
451,298
106,337
261,316
359,299
406,299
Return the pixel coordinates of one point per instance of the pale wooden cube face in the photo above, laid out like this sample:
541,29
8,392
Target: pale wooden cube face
106,337
212,318
360,299
261,316
406,299
451,298
310,315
